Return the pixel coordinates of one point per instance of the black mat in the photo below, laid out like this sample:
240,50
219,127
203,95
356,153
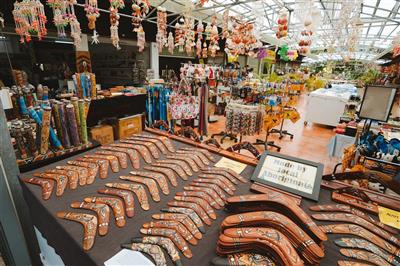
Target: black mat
66,236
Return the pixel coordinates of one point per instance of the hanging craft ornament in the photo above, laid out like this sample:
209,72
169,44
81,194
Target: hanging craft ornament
171,43
282,25
60,18
64,14
161,37
115,5
179,36
140,8
73,22
262,53
292,55
241,39
214,37
1,20
199,33
30,19
396,45
141,38
189,34
95,38
225,26
283,53
92,13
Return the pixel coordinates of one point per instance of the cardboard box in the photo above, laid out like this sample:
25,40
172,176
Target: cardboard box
103,134
128,126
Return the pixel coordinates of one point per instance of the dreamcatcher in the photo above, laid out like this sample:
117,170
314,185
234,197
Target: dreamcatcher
161,37
29,19
115,5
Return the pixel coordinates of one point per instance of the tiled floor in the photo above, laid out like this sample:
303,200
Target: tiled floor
309,142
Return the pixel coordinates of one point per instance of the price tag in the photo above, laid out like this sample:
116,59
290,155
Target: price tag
231,164
389,217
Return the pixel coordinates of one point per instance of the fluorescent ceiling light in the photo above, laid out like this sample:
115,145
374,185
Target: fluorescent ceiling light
65,42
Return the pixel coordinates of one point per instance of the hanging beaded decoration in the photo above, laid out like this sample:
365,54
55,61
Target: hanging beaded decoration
92,13
189,34
59,18
114,21
29,19
179,36
141,38
140,8
214,46
171,43
225,20
161,36
199,33
73,22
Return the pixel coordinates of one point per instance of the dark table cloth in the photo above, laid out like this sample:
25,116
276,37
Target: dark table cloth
66,236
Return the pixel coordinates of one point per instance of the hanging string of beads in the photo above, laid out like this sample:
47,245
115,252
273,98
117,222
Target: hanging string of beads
161,37
30,19
115,5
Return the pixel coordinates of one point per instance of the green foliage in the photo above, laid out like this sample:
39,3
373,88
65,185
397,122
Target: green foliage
370,76
314,83
275,78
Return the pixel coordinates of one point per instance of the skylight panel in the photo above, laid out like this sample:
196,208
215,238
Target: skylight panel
387,4
367,10
382,13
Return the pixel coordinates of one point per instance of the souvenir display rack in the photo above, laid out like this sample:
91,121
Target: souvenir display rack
67,240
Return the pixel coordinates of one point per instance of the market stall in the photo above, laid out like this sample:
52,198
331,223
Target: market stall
67,242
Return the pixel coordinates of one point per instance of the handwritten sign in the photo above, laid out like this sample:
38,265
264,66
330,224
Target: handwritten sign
389,217
231,164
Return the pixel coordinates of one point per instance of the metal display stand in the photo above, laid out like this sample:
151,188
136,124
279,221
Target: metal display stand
280,131
18,241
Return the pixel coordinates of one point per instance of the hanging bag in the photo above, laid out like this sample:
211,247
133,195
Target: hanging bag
182,104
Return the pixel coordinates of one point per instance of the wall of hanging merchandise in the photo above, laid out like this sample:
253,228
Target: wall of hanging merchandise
188,34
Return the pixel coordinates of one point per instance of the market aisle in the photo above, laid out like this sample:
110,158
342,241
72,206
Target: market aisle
309,142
